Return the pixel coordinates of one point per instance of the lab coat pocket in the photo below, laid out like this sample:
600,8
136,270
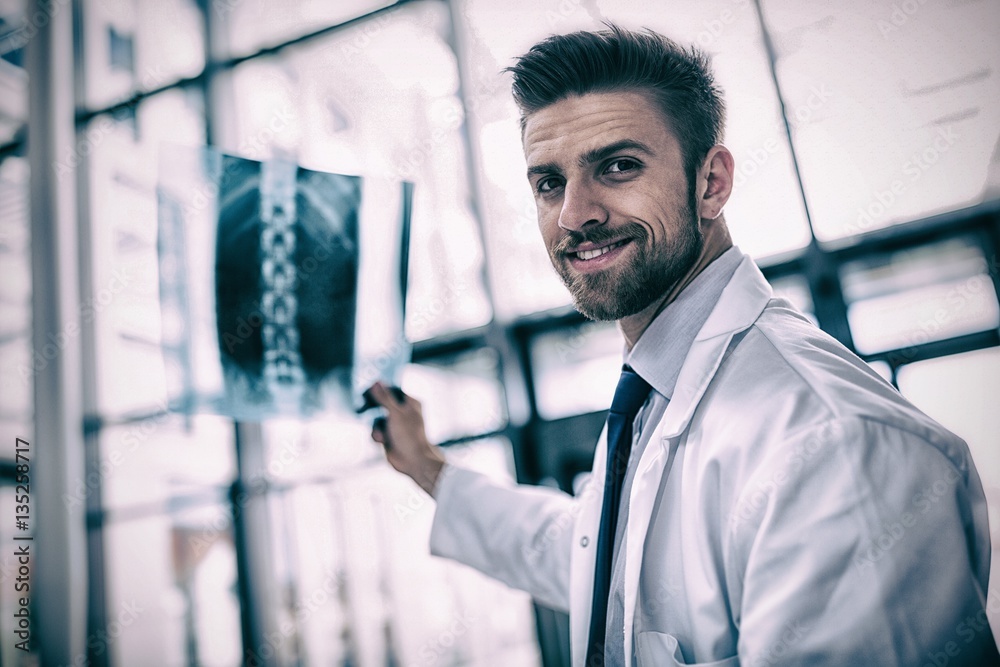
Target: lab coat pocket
654,649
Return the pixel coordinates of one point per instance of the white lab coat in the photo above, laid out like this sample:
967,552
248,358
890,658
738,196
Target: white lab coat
809,515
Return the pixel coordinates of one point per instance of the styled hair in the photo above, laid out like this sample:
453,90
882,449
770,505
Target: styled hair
679,80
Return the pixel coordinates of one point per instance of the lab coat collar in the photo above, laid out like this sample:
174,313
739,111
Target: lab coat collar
661,349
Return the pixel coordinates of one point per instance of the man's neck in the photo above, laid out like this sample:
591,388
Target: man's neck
716,242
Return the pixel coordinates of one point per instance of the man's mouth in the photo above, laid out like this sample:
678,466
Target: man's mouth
596,258
593,253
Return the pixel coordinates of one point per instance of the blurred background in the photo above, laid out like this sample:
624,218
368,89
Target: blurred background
868,190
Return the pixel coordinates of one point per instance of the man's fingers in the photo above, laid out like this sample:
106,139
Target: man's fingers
386,397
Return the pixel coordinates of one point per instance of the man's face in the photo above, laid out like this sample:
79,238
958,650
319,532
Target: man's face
612,197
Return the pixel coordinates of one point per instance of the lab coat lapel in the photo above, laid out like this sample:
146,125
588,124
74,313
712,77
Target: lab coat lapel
742,301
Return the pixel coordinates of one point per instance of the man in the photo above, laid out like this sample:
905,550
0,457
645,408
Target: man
781,504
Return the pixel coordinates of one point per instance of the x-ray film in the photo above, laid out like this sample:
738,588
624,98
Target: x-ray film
262,265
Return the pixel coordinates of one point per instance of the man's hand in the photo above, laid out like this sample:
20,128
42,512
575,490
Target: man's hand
402,433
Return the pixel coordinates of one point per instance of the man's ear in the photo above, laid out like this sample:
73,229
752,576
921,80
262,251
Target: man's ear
715,181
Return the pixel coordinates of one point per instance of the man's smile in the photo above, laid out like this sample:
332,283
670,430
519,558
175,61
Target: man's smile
596,256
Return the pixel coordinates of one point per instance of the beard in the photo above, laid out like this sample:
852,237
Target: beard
639,280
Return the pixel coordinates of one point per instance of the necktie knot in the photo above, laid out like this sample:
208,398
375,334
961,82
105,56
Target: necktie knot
630,394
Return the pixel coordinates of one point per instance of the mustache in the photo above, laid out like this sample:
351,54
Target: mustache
574,238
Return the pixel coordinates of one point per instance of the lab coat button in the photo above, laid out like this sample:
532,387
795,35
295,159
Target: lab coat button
584,541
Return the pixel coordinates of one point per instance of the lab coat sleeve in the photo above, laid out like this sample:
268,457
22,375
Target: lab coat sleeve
518,534
869,546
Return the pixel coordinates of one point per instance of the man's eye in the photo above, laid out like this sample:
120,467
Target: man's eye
621,166
548,184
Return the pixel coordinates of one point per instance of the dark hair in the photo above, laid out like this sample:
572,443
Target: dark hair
679,79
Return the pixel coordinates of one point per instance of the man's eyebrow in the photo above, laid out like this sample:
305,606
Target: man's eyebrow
598,154
543,169
592,156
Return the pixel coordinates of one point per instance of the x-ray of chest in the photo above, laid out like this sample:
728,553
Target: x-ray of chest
262,265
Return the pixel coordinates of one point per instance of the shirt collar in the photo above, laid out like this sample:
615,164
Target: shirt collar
660,351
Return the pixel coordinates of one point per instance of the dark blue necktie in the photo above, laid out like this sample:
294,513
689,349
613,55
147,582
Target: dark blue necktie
629,396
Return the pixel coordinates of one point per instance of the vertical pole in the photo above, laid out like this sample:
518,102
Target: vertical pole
59,566
251,533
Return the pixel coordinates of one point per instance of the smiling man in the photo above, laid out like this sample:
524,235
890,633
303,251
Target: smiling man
759,496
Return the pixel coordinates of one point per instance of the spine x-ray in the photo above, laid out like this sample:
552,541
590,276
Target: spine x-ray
261,268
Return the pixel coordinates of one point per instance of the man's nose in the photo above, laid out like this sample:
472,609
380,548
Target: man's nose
581,207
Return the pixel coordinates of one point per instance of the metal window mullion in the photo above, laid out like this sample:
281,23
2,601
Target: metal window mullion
59,573
250,520
821,271
511,369
259,601
97,605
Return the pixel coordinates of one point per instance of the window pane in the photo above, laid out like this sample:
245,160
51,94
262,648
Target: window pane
18,363
132,46
362,588
461,396
883,369
124,306
576,370
796,290
909,125
915,296
765,213
172,590
961,392
146,463
246,27
391,109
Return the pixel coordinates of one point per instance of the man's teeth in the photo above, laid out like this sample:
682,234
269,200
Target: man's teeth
597,252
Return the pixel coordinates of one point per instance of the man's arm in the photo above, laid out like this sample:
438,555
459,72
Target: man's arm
871,549
520,535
